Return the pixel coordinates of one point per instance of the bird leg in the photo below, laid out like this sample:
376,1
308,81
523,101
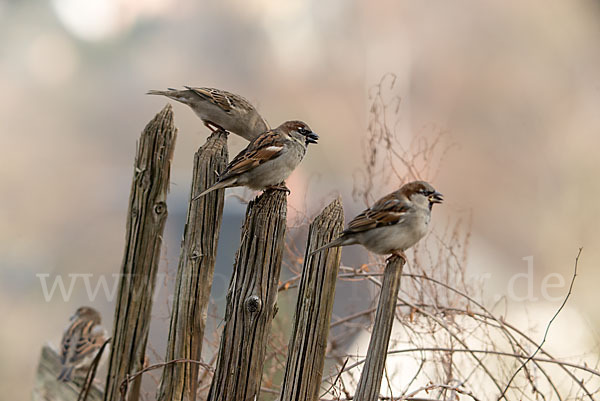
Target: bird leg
213,127
279,187
398,254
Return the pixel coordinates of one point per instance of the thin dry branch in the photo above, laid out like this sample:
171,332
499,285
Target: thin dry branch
502,395
124,385
438,306
91,373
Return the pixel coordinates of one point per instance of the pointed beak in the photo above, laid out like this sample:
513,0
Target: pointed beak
311,138
436,197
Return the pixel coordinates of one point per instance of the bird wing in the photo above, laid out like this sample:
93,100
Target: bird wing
226,101
387,211
264,148
88,342
66,344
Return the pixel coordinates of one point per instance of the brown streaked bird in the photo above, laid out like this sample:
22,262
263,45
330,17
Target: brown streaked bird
269,159
80,342
220,109
394,223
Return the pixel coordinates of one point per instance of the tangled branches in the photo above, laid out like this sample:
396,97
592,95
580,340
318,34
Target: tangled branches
447,345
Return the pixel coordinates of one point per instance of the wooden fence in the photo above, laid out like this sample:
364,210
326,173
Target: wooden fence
251,298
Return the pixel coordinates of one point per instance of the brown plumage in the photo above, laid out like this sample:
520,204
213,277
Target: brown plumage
80,341
220,109
269,159
394,223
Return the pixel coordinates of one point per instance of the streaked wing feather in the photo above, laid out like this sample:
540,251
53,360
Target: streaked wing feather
387,211
65,344
224,100
266,147
87,343
64,349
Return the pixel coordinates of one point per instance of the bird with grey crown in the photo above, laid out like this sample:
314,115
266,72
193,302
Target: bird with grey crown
394,223
268,160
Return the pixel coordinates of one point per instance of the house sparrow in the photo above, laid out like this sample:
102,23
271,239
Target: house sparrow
394,223
268,160
220,109
80,342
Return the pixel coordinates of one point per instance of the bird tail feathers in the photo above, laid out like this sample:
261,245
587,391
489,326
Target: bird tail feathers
65,374
341,241
220,184
180,96
162,93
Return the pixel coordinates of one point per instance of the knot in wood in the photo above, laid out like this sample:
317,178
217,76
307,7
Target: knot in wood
195,255
159,208
253,304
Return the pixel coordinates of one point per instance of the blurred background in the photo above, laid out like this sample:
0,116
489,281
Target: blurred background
514,86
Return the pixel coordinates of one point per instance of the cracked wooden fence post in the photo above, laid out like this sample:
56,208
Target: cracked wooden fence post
195,272
47,388
306,355
251,300
370,378
145,224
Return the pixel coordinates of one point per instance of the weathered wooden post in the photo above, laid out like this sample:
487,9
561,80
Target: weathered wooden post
306,355
251,300
47,388
195,273
370,378
145,224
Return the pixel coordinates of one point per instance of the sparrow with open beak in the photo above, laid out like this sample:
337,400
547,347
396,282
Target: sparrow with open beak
80,342
394,223
268,160
220,109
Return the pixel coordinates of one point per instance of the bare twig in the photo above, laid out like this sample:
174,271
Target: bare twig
91,373
124,386
502,395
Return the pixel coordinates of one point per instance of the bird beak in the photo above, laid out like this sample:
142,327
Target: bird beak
311,138
436,197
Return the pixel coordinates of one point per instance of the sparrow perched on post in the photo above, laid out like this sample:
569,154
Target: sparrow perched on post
220,109
80,341
394,223
268,160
